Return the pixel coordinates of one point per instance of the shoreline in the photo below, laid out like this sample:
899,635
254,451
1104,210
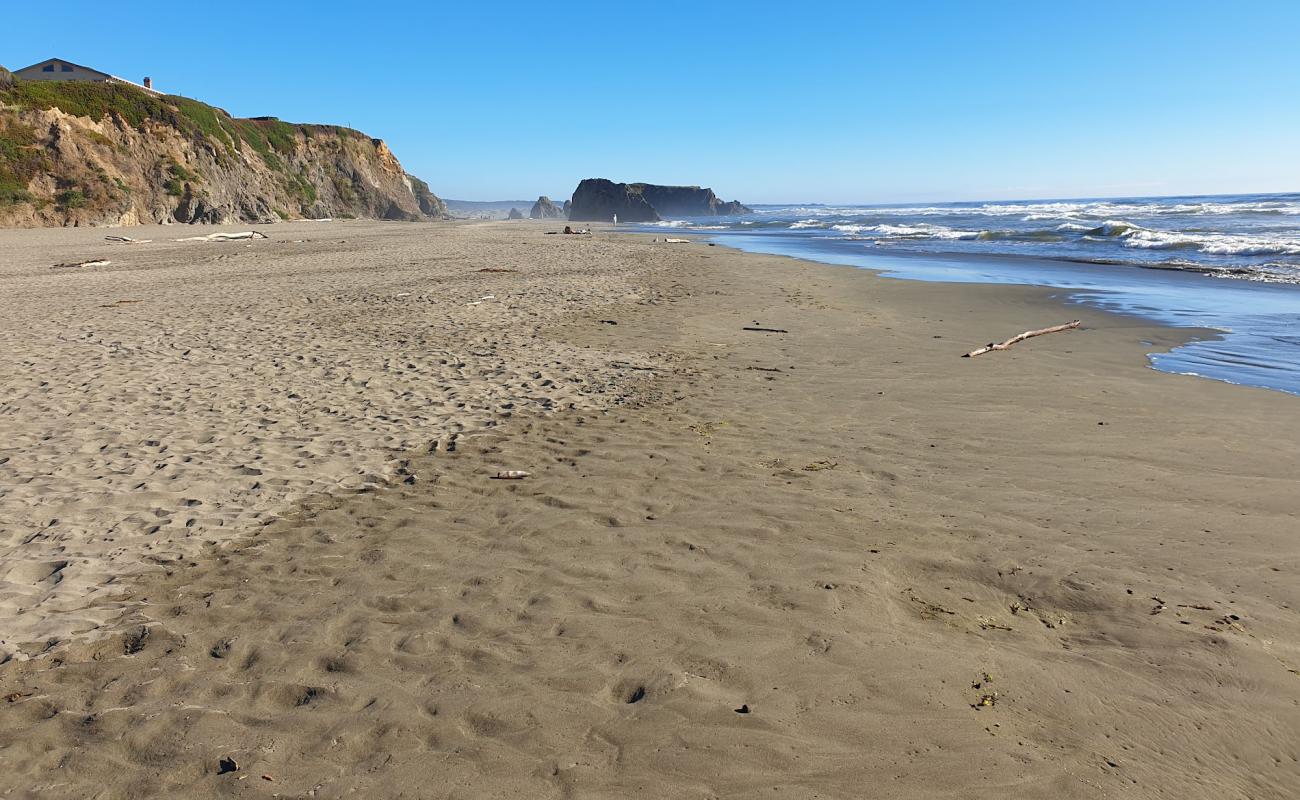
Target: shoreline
842,529
1248,319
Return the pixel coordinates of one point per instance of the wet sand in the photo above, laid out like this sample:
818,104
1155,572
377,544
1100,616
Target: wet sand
835,562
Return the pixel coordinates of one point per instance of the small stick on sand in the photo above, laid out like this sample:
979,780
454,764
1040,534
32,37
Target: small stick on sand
991,346
126,240
765,330
94,262
510,475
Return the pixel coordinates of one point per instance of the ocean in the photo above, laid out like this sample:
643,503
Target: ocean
1226,262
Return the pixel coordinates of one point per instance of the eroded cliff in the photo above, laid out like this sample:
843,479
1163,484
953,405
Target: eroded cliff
111,154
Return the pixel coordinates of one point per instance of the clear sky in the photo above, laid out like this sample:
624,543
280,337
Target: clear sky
764,101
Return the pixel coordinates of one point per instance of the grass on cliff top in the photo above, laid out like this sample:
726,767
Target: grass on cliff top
267,136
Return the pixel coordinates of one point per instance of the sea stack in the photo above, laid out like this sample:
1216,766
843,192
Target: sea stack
598,200
544,208
514,214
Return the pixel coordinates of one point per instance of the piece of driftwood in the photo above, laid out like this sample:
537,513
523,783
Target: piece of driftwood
225,237
991,346
766,330
94,262
511,475
126,240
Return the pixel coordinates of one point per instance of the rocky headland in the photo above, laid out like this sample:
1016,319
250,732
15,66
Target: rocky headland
80,153
599,200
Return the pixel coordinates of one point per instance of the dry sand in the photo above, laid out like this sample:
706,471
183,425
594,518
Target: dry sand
1048,572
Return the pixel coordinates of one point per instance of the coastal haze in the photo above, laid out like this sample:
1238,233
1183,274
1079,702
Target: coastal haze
315,483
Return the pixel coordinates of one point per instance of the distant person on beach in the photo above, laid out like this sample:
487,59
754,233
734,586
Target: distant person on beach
616,219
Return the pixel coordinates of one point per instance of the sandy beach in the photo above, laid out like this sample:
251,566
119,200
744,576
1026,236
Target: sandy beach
253,546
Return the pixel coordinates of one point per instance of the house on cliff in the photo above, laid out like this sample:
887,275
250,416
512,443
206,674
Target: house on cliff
58,69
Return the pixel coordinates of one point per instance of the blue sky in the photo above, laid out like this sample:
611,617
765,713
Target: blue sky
764,101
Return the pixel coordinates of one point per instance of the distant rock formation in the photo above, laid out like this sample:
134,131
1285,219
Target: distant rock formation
514,214
598,200
568,206
688,201
545,209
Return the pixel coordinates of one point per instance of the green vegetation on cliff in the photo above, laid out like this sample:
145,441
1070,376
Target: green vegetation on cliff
267,136
84,153
20,160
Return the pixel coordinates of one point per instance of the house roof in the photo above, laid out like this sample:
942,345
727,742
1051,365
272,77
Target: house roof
107,75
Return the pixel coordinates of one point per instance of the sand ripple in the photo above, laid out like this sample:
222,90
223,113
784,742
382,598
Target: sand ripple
189,391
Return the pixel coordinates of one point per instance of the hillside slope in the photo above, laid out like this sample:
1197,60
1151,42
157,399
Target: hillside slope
110,154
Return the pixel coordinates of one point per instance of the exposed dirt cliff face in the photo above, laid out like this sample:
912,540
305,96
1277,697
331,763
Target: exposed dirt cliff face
597,199
105,154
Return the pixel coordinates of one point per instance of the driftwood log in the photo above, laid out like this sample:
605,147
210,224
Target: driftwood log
991,346
225,237
94,262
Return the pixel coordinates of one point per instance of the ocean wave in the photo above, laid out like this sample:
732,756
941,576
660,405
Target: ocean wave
1113,228
1289,205
1216,244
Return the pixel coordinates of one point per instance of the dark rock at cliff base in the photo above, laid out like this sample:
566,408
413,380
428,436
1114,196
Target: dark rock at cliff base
514,214
430,204
545,209
597,199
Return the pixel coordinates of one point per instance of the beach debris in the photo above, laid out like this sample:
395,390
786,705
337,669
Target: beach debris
402,294
225,237
510,475
991,346
607,322
226,764
928,610
673,241
985,701
744,709
1159,606
765,369
482,300
988,698
14,697
126,240
818,466
94,262
764,330
497,269
117,303
707,428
